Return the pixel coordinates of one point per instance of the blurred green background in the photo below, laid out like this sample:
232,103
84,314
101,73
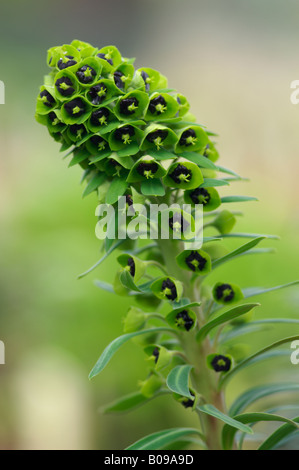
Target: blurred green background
234,60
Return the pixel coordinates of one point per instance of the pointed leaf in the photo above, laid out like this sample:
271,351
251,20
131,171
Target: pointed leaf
228,432
224,318
161,439
114,346
278,435
252,291
212,411
130,402
238,251
94,184
178,380
152,187
112,248
238,199
116,189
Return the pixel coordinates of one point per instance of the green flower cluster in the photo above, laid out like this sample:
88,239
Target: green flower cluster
124,124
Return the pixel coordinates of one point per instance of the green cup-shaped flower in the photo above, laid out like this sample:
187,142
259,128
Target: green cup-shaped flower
66,85
192,138
126,136
46,100
76,132
184,104
184,175
134,320
97,146
160,356
153,80
52,120
146,168
111,55
208,197
63,57
85,49
162,106
227,293
158,137
219,362
182,319
88,71
76,111
123,77
99,119
167,288
224,222
131,106
197,261
210,152
135,266
102,92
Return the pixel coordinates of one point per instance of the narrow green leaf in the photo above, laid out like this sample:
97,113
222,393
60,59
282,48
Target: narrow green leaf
242,249
130,402
229,432
238,199
277,436
112,248
94,184
248,235
178,380
212,411
252,291
259,353
212,183
114,346
224,318
227,171
104,285
200,160
116,189
161,439
152,188
254,326
251,396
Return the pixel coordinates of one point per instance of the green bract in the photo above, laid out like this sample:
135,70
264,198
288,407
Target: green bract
135,137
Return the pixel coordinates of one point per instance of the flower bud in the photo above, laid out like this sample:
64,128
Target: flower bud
151,385
134,320
224,222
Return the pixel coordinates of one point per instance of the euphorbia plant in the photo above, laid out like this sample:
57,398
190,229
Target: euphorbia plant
135,138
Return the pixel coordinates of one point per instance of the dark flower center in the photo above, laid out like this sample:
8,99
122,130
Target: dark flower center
63,64
147,169
65,86
206,152
102,56
183,320
156,353
124,133
129,200
75,107
128,106
157,105
100,117
188,138
157,136
195,261
118,79
145,79
78,130
86,74
200,196
225,292
47,99
97,94
54,119
177,223
98,142
188,402
169,289
221,363
181,174
131,265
